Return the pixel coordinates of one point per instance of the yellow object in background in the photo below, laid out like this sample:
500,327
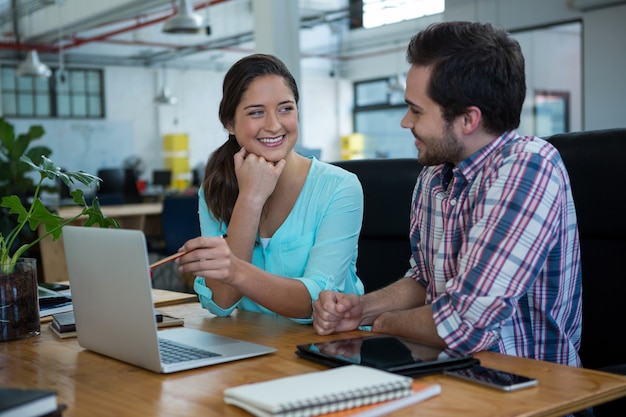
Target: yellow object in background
352,146
176,154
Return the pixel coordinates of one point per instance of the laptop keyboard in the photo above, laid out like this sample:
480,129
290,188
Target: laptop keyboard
172,352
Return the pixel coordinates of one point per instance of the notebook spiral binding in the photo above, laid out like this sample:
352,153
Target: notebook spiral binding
345,400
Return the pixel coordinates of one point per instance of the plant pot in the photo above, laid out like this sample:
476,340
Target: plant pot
19,301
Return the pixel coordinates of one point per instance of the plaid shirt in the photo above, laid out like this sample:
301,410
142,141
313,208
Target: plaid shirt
498,251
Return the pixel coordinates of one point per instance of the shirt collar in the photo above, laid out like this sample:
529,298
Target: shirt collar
474,163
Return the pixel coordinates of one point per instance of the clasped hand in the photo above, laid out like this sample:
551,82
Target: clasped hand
335,312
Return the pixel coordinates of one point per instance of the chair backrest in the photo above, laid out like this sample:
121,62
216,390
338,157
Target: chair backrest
384,247
179,220
594,163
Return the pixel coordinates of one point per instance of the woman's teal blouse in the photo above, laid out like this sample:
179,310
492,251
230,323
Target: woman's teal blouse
317,243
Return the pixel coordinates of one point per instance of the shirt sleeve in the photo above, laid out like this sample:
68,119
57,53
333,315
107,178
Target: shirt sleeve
205,296
510,234
209,226
334,246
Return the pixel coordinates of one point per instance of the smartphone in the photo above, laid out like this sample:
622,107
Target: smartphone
493,378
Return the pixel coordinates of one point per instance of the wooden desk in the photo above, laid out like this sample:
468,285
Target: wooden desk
144,216
93,385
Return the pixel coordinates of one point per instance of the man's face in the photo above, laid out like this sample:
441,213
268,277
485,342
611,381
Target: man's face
435,139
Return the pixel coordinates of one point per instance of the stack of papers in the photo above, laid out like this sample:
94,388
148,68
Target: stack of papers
53,302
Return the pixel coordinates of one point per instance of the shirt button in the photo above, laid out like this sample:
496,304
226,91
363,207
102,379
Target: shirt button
453,202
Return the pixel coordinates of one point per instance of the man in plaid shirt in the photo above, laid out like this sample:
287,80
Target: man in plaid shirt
496,258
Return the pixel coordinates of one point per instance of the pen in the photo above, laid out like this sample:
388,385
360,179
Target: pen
174,256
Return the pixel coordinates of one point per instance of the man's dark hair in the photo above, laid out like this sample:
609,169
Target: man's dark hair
473,64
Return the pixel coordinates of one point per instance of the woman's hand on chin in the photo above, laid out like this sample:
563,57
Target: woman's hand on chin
255,175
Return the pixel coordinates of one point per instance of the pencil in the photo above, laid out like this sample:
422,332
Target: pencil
167,259
174,256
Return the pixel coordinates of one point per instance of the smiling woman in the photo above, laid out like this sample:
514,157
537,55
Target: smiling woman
267,119
293,222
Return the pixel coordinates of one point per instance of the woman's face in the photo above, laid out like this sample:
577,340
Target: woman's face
266,119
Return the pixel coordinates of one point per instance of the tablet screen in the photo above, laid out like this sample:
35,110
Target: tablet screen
379,351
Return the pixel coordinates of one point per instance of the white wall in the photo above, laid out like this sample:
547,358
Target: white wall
553,63
605,68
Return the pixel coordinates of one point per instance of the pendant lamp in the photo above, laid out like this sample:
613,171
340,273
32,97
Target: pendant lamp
185,21
165,95
32,67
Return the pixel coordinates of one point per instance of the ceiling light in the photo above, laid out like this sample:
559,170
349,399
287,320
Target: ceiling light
185,21
32,67
166,97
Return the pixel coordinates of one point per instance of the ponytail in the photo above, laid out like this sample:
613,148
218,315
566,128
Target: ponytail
220,182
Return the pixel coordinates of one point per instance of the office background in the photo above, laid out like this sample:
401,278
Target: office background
570,45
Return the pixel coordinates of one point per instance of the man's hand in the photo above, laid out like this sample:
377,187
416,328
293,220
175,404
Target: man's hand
336,312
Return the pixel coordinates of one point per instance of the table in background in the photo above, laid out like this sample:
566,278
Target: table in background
142,216
94,385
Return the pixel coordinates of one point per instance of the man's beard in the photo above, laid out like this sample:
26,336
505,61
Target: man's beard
445,149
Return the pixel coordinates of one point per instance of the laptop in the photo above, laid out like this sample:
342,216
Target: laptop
110,282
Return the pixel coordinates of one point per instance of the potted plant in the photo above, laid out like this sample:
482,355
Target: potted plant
16,177
19,307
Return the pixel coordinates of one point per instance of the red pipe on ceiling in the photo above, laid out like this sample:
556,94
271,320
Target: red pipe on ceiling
77,41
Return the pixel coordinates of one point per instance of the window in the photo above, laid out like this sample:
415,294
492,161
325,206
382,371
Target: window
379,108
383,12
551,111
554,96
78,93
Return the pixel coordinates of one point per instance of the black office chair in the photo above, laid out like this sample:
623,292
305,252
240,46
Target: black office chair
179,220
384,247
594,163
179,223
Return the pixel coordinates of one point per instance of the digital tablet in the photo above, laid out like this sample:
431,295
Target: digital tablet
389,353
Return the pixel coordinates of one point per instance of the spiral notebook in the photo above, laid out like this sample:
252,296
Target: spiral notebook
320,392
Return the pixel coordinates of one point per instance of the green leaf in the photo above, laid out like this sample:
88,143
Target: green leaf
36,152
23,140
48,169
14,204
51,222
78,197
83,177
7,136
36,131
96,217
